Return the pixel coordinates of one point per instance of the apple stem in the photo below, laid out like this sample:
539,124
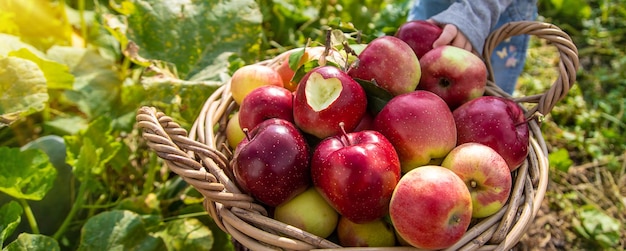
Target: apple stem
444,82
537,115
344,135
246,132
473,184
322,60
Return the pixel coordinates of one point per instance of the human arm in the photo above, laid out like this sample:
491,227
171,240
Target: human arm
468,23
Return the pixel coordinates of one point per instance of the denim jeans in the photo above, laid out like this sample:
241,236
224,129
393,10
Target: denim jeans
509,57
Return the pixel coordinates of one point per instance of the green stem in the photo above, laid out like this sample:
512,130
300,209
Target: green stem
78,203
83,25
29,216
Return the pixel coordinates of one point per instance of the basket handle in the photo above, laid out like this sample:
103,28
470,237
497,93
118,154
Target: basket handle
568,63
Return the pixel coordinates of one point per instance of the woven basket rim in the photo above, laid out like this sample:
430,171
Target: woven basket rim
201,157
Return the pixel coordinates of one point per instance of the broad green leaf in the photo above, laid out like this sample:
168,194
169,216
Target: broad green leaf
41,23
57,75
10,217
23,88
10,43
33,242
96,85
66,126
26,174
191,34
91,149
186,234
377,97
118,230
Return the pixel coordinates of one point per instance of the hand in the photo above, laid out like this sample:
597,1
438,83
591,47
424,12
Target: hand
452,36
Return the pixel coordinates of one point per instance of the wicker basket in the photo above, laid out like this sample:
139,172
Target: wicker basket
202,159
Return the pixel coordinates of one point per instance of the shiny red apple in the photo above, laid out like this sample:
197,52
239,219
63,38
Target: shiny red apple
419,35
272,162
263,103
356,173
497,122
454,74
390,63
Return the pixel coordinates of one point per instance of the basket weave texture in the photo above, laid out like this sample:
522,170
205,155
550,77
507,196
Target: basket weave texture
202,158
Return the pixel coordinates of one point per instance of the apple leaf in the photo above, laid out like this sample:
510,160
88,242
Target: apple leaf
377,97
304,69
190,34
26,174
10,218
118,230
23,88
186,234
33,242
294,58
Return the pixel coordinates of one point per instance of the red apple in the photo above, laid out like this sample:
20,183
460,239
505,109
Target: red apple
366,123
249,77
455,74
420,126
356,173
485,173
390,63
376,233
431,207
325,97
419,35
496,122
310,212
263,103
272,162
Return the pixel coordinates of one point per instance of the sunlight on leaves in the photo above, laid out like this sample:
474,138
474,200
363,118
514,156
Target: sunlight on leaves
33,242
191,34
186,234
18,16
26,174
57,75
23,88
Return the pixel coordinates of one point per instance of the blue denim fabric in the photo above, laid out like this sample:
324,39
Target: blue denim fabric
508,58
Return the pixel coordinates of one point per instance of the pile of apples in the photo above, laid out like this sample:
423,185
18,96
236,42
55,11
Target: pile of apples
395,144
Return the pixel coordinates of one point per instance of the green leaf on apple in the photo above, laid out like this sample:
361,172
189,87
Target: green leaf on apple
377,97
304,69
308,66
295,58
